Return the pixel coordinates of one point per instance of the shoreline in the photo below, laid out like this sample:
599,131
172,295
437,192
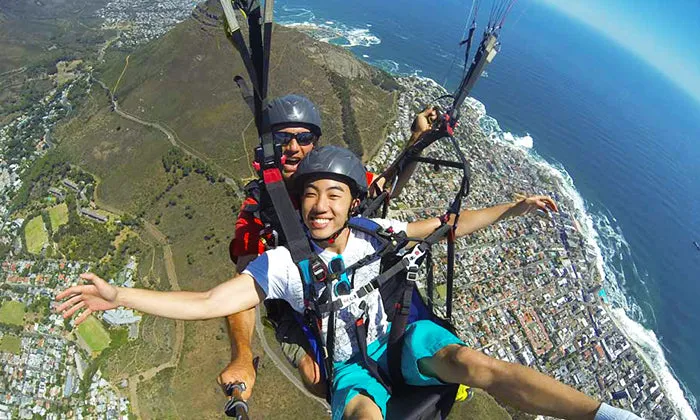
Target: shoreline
674,392
591,238
674,395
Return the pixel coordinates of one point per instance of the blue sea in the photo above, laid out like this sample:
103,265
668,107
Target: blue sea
627,137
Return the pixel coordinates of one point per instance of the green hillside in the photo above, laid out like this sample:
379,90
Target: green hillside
180,92
177,95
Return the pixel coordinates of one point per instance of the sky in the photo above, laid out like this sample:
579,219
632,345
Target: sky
661,32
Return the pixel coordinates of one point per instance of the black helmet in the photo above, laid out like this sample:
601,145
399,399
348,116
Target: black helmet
335,161
294,110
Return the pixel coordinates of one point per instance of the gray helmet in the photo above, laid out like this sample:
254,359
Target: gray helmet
336,162
294,110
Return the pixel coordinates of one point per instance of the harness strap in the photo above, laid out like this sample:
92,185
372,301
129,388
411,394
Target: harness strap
409,262
239,43
368,362
368,288
397,336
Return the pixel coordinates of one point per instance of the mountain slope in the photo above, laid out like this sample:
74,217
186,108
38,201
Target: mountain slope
179,90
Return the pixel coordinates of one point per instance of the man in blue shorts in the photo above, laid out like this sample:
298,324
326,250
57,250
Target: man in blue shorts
330,183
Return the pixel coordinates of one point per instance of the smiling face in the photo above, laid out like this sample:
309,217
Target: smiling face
325,207
294,152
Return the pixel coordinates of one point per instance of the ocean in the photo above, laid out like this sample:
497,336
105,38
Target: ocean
625,136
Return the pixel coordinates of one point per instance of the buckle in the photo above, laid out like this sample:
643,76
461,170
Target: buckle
319,270
412,275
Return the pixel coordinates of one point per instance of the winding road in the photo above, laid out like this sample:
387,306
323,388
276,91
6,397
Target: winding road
172,138
146,375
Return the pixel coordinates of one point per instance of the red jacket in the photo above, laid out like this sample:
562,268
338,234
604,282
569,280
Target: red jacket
247,240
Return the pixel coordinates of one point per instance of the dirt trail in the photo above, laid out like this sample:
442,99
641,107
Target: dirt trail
147,375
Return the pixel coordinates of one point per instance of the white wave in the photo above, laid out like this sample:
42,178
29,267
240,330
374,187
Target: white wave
390,66
653,354
608,243
360,37
525,141
330,31
365,56
294,14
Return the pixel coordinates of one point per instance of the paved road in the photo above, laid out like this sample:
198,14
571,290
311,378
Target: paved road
282,365
172,138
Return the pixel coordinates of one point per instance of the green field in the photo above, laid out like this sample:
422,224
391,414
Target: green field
94,334
10,343
35,235
58,215
12,312
441,290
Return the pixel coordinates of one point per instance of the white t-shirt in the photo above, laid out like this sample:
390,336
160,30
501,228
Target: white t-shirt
279,278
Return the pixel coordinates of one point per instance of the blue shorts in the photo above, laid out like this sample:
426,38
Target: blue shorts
422,339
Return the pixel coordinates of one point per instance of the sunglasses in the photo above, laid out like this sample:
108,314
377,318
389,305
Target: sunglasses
303,139
343,286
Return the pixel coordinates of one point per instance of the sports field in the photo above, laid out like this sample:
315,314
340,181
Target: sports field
58,215
12,312
94,334
35,235
10,343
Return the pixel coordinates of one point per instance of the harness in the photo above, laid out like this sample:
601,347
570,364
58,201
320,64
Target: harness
399,268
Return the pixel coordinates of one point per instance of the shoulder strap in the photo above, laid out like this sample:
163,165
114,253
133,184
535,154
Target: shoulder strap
252,191
268,153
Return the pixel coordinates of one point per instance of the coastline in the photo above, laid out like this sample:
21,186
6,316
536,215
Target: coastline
661,371
664,377
590,234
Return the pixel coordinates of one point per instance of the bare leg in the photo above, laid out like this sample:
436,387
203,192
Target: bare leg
311,376
362,407
517,385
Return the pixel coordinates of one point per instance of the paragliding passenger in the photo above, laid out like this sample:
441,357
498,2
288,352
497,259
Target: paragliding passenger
296,121
329,183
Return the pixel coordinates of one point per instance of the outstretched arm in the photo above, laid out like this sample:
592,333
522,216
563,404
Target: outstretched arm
472,220
227,298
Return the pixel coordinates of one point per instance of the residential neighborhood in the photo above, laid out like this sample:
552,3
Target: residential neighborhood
527,290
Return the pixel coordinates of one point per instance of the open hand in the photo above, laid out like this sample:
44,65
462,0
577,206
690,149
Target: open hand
536,202
98,296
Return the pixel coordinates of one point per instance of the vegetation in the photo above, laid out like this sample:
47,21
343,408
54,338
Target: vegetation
351,134
142,176
35,235
10,343
58,216
12,313
109,267
36,181
37,35
385,81
181,165
83,239
441,290
94,334
153,347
